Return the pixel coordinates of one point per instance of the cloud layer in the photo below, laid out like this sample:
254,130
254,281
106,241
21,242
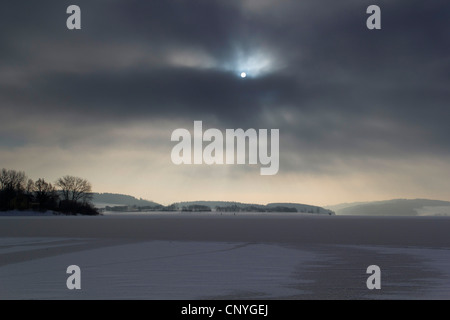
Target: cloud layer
347,100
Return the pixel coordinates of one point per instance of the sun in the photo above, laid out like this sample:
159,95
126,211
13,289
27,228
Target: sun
243,75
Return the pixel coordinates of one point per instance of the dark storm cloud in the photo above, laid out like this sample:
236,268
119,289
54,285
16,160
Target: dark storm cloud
334,87
169,91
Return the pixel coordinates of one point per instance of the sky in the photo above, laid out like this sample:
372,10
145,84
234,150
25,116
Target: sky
363,114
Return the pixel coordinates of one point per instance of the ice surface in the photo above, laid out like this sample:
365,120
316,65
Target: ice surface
217,257
160,270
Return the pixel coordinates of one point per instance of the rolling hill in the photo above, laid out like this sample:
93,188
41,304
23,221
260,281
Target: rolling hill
116,199
396,207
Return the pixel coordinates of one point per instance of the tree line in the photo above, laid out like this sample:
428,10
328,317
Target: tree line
236,208
69,194
202,208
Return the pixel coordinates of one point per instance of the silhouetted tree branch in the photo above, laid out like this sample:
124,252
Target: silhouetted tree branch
74,189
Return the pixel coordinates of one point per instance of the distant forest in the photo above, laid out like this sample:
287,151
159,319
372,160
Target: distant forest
205,208
69,194
200,208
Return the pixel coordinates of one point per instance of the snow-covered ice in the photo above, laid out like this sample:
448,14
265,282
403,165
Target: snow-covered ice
224,257
160,270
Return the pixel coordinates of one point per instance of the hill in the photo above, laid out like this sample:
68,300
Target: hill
116,199
396,207
120,201
338,207
302,208
239,206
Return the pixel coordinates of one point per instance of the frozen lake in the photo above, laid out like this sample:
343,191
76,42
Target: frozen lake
224,257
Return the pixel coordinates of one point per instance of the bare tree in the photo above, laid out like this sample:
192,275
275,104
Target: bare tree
74,189
30,187
12,180
12,190
19,193
45,194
